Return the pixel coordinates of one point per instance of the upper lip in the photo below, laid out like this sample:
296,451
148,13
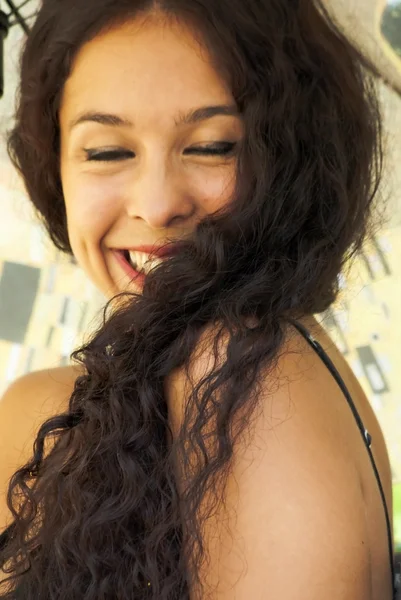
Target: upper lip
159,251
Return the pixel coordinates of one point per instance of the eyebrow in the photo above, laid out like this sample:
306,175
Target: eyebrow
189,118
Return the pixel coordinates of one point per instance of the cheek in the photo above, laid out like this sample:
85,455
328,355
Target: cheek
91,206
214,190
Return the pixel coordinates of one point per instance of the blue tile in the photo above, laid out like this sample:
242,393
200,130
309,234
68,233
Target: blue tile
84,312
372,370
18,289
66,303
50,336
29,360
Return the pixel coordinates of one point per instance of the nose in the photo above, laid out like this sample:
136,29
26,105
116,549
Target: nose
158,196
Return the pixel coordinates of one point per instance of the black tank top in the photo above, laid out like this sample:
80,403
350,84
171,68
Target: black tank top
367,438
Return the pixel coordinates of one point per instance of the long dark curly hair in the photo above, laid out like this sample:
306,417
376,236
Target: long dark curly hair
116,507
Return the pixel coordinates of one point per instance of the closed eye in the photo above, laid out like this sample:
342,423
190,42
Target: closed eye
219,149
107,155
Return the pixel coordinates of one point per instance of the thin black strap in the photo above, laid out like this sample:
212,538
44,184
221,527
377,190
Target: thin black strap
367,438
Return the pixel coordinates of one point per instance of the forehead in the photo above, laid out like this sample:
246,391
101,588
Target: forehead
153,68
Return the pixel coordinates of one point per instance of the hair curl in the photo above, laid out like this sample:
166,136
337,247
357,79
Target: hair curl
113,514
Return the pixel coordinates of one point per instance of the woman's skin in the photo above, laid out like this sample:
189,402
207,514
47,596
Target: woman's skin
149,73
146,73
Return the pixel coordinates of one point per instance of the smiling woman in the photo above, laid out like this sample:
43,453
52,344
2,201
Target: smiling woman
207,449
177,147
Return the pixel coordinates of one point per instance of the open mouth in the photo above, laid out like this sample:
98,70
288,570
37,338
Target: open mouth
132,263
140,261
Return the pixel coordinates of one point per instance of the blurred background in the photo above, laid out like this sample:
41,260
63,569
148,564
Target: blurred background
47,305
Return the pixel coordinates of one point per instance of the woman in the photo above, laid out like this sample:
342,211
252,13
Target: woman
208,449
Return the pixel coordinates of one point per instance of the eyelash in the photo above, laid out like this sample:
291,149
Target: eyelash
221,149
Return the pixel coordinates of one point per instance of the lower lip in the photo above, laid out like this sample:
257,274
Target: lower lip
130,271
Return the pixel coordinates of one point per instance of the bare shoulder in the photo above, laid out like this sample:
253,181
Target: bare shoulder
26,404
293,518
38,394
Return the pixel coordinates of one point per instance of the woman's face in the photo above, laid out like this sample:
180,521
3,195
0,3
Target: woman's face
134,171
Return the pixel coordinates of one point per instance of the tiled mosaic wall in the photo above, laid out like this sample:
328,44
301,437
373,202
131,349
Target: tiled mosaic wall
47,305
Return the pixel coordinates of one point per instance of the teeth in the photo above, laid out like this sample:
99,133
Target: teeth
140,261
